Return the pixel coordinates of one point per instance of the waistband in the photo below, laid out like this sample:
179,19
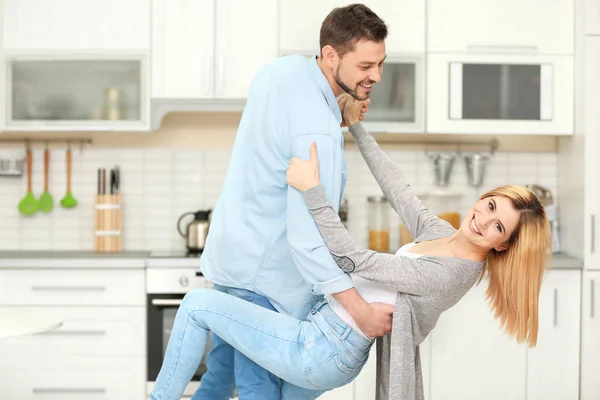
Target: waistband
326,319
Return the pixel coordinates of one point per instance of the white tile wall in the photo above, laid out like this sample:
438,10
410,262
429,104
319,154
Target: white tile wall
159,185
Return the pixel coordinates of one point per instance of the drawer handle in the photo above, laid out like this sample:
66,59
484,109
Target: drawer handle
592,298
501,47
71,288
68,390
76,332
166,302
555,306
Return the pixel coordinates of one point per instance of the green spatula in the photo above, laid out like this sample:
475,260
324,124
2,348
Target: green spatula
29,205
46,202
68,201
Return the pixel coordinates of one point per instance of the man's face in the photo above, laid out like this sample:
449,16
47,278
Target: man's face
358,70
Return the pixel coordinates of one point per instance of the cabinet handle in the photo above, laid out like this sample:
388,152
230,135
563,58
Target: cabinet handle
592,298
68,390
221,75
166,302
208,80
82,288
555,306
76,332
502,47
593,233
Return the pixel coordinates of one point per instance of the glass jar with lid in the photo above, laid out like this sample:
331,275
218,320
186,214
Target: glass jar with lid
379,230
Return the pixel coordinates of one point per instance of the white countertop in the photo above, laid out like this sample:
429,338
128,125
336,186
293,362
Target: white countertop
147,259
17,321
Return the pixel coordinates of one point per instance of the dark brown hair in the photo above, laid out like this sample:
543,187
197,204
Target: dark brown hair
344,26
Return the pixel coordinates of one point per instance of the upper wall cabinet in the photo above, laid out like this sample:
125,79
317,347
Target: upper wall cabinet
205,53
514,26
592,17
76,25
300,23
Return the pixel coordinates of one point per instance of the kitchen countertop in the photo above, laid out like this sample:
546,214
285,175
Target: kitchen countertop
143,259
72,259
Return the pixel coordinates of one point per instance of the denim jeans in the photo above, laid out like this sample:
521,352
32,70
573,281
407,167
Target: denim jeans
228,367
319,354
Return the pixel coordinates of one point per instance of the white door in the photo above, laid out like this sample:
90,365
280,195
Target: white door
246,39
300,23
48,25
533,26
182,49
590,336
592,17
471,356
592,145
553,365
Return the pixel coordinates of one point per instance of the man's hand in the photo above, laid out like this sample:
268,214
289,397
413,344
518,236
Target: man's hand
376,320
343,98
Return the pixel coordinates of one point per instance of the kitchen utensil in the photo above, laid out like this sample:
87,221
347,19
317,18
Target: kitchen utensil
29,204
544,194
475,164
196,230
46,202
68,201
379,230
442,165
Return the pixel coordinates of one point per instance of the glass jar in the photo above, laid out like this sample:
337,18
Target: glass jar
379,231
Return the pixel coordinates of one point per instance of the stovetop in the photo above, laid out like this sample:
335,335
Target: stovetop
173,259
173,254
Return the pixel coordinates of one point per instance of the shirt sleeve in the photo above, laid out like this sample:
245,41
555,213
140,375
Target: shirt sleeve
310,254
403,274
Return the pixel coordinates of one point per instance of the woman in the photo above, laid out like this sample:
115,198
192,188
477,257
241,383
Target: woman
506,233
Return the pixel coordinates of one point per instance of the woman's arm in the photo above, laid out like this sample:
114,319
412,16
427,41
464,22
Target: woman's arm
390,178
403,274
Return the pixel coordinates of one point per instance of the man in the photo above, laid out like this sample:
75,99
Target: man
263,244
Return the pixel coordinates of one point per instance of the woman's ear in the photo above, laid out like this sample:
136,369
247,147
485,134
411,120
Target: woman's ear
501,247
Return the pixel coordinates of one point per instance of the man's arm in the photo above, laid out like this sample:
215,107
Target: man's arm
311,255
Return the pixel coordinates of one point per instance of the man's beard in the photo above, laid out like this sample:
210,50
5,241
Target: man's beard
346,88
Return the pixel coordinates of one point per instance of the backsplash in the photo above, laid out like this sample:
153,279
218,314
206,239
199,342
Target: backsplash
158,185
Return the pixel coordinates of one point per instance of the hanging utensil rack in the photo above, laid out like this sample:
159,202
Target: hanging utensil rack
16,167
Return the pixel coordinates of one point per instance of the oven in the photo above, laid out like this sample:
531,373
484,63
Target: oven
165,289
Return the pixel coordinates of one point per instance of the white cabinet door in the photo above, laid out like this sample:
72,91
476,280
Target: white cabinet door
545,27
471,356
51,25
590,336
592,145
182,49
553,365
246,39
365,384
592,17
300,23
341,393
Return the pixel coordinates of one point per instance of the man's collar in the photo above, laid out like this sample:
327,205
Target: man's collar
325,87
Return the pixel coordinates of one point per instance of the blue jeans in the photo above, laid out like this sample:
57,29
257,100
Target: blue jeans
319,354
227,367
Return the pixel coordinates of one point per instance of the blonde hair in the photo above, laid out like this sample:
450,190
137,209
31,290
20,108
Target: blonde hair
515,274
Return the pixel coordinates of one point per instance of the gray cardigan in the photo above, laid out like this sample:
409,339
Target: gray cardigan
427,286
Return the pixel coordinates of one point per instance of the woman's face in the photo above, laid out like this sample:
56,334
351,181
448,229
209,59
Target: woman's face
490,222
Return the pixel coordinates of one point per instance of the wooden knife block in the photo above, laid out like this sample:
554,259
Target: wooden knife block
108,224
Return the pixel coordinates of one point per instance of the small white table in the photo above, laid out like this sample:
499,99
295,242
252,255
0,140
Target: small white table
17,321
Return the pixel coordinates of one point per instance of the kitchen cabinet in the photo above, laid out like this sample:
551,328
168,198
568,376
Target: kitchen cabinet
300,23
592,17
99,351
208,49
590,334
76,26
553,365
76,92
512,26
471,356
498,94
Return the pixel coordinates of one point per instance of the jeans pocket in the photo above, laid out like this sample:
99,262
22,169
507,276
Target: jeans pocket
329,374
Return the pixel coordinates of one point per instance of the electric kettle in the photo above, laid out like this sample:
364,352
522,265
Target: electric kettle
196,230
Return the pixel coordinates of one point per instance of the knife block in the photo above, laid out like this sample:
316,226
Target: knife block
108,218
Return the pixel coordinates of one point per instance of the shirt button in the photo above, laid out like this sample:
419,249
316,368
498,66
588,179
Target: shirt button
313,312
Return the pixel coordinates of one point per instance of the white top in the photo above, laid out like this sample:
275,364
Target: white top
15,321
371,291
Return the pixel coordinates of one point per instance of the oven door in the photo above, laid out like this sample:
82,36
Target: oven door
162,309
